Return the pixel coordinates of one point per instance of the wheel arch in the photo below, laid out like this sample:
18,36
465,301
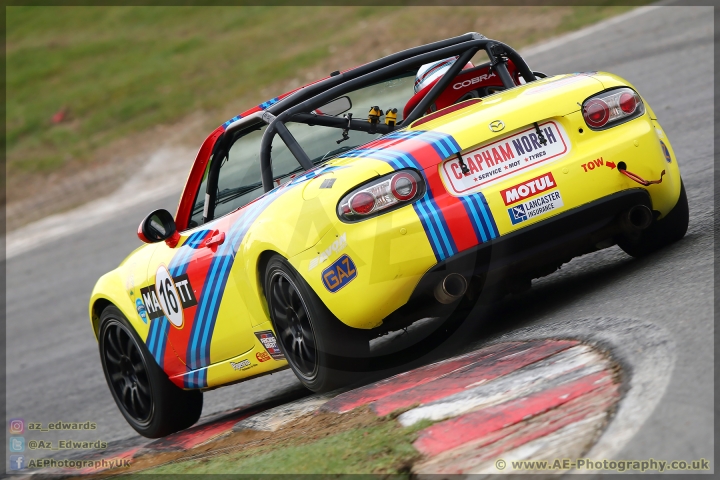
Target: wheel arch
262,263
110,291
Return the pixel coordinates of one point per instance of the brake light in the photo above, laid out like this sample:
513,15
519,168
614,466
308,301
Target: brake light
403,186
611,108
362,203
597,113
382,194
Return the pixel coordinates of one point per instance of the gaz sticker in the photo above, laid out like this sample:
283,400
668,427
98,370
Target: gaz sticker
340,273
169,296
267,338
505,158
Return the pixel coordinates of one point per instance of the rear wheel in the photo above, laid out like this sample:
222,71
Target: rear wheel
323,352
149,401
662,232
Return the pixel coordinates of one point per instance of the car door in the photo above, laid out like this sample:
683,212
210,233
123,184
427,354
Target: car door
197,309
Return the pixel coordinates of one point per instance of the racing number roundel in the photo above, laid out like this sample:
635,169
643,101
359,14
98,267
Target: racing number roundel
168,296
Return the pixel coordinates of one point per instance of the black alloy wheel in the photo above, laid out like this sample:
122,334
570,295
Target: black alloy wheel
127,372
323,352
292,321
152,404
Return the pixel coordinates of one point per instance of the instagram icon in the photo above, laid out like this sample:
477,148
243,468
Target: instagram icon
17,425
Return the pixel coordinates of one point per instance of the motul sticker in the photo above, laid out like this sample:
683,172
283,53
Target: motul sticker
505,158
535,207
527,189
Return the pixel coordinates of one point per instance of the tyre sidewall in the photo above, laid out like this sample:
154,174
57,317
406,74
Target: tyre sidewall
173,408
341,352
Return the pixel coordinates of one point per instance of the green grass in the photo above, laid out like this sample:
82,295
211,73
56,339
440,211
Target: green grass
122,70
384,447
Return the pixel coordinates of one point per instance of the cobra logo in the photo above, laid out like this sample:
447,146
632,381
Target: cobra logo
472,81
496,126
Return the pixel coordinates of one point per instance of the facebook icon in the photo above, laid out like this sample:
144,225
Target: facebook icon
17,462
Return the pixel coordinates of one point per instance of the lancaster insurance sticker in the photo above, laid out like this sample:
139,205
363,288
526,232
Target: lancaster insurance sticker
505,158
535,207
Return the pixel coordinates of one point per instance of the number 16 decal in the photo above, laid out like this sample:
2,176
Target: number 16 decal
168,296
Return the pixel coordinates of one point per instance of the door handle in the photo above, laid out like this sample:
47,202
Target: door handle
216,240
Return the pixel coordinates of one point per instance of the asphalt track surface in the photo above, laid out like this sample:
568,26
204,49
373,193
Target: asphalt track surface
53,368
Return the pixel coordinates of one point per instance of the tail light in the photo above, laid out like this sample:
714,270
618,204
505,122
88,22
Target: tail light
381,195
611,108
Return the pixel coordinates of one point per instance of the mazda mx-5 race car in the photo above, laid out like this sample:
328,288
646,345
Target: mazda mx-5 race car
370,199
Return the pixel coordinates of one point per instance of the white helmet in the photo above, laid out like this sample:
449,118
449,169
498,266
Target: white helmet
430,72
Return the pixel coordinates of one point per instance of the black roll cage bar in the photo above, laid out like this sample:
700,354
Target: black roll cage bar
296,107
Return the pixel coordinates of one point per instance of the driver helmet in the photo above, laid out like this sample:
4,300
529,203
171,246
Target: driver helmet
431,72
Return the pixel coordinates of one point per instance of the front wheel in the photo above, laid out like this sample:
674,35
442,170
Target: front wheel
323,352
149,401
662,232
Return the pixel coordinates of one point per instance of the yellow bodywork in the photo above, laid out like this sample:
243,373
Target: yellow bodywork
391,251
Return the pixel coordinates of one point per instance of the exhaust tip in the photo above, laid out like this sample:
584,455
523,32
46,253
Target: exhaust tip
640,217
451,288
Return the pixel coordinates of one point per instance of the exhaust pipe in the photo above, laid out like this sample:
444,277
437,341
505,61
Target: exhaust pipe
637,218
451,288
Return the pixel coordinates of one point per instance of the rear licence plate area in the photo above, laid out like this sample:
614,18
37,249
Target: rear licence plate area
505,158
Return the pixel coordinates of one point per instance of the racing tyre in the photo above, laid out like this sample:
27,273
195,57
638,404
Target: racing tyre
663,232
149,401
323,352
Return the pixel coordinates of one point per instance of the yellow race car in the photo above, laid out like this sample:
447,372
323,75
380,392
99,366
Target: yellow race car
358,204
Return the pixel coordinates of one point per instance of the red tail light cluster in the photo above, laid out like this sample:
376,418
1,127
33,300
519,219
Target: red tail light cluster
611,108
382,194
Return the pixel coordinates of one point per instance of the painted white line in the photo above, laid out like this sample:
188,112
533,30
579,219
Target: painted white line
163,175
563,367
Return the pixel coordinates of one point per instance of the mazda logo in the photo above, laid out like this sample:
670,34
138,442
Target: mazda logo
496,126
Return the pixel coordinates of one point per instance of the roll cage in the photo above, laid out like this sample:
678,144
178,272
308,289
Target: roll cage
297,106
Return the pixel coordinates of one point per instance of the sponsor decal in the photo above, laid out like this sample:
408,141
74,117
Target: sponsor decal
268,340
472,81
597,163
168,296
141,310
242,365
339,274
505,158
262,357
536,207
337,246
527,189
666,152
130,284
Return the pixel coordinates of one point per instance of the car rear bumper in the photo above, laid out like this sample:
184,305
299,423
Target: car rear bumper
514,259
